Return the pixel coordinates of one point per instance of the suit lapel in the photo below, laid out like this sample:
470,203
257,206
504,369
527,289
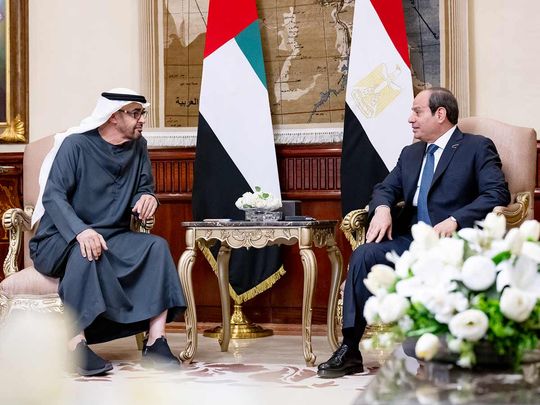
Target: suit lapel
448,154
414,165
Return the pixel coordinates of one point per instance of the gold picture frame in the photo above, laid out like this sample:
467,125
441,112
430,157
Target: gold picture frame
13,71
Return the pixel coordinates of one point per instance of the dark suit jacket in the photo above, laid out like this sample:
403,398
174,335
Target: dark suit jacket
467,184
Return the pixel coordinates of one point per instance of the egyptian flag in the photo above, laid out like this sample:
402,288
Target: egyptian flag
235,141
378,100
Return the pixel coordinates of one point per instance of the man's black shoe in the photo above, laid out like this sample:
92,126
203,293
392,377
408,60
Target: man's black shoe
344,361
158,355
88,363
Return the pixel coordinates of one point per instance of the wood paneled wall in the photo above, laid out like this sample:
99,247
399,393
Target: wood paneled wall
309,173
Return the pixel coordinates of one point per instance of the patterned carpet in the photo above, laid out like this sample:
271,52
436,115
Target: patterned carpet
253,371
261,371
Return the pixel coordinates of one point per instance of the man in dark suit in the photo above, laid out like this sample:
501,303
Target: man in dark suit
448,180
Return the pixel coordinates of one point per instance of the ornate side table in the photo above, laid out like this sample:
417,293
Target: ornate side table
240,234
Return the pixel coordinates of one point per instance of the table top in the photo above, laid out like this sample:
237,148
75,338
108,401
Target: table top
404,380
225,223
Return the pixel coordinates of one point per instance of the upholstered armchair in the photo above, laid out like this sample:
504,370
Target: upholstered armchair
27,289
517,149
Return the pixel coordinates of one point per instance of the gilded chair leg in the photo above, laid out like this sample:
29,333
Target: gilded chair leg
140,339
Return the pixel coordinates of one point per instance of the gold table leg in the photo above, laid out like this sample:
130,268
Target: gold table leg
223,280
310,278
241,327
185,265
336,261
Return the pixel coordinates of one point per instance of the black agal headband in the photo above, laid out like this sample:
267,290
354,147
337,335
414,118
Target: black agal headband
124,97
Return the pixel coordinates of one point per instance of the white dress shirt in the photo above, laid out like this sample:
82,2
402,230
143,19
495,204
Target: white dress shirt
441,143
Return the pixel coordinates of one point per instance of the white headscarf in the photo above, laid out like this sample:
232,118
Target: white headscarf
102,112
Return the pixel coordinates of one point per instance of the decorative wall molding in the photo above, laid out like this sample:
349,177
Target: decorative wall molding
187,137
454,29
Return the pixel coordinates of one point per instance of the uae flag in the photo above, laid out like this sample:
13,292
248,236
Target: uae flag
378,100
235,141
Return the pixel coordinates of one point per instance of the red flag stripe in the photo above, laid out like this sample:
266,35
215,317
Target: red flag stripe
392,17
226,19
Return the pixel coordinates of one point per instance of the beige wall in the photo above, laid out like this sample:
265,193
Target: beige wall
504,60
77,49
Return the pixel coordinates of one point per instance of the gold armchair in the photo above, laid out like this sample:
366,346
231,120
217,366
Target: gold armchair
517,149
28,289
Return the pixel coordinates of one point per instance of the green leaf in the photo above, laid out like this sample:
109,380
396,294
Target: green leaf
257,188
501,257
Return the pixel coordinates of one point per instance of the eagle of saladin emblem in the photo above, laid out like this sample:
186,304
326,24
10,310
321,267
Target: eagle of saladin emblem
377,90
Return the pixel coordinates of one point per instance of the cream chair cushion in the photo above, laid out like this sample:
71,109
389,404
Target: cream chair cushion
28,281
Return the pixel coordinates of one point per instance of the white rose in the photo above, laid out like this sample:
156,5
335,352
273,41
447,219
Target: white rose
503,277
443,304
429,269
471,235
427,346
392,307
531,250
465,361
403,264
406,323
530,230
454,345
470,325
371,310
513,241
516,305
450,250
381,277
410,287
478,273
494,225
523,275
424,236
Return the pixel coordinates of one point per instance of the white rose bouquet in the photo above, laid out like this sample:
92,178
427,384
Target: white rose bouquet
481,285
258,200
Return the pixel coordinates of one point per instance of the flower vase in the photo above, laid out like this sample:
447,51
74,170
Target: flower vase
262,215
487,357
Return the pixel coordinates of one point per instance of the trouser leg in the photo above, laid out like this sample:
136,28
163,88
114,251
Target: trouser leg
356,294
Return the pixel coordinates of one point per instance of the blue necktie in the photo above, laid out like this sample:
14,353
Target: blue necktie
425,183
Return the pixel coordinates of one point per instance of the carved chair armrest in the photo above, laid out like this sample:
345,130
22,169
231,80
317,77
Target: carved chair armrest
354,226
516,212
145,226
15,221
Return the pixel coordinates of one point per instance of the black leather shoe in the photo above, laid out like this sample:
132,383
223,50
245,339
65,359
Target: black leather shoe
88,363
158,355
344,361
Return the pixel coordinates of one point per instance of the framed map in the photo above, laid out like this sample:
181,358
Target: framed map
13,71
306,46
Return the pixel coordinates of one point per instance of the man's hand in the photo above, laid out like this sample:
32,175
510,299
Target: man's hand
380,225
91,244
145,207
446,227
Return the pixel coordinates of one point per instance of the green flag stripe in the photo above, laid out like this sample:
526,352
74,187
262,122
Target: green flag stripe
249,41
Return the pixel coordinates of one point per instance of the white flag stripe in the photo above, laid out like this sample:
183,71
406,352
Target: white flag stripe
235,105
371,46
